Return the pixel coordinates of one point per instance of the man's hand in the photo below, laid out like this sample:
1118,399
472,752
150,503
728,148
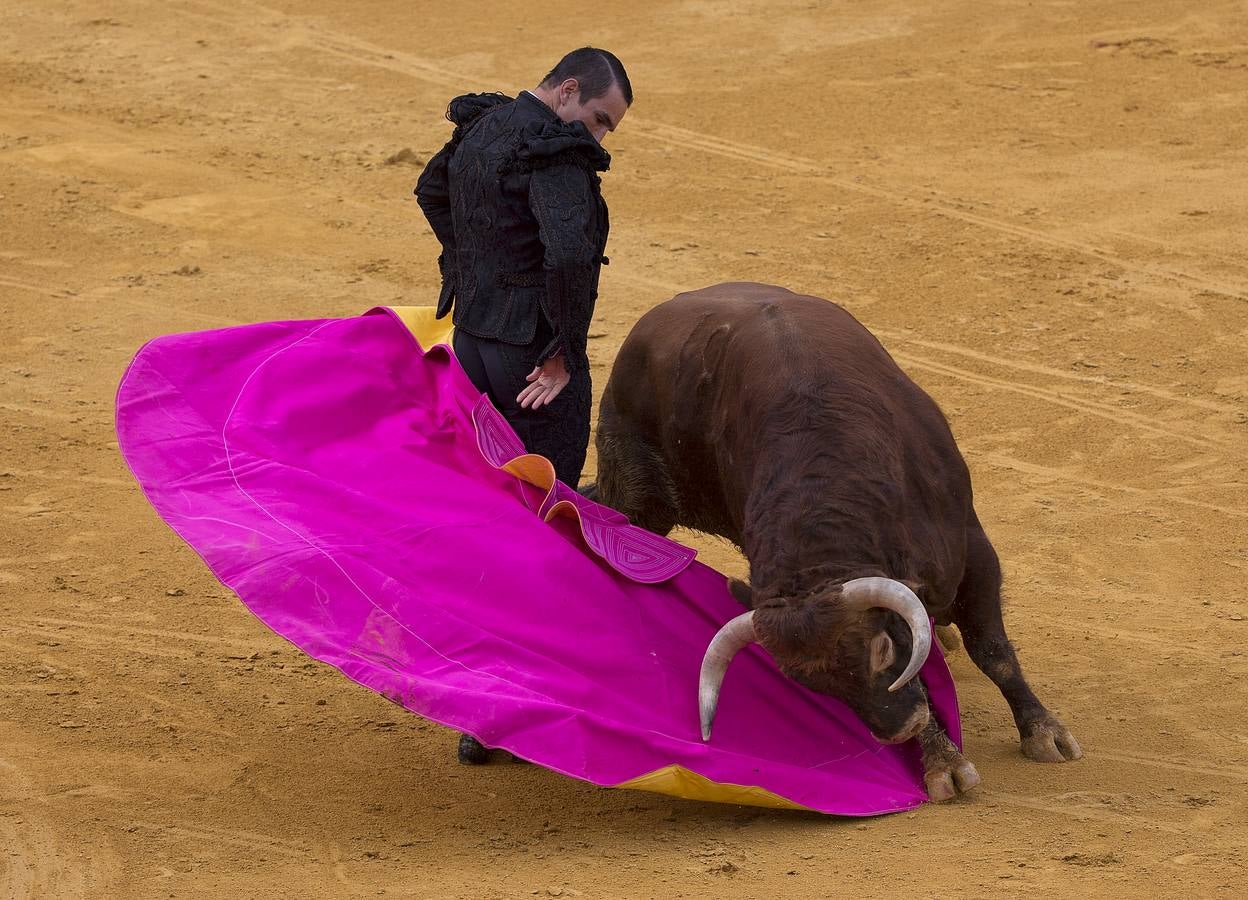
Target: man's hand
545,383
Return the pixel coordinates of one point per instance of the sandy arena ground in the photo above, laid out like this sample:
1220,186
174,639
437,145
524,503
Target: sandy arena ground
1040,208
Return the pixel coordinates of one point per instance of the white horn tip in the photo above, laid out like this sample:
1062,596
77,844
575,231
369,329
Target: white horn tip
922,648
706,715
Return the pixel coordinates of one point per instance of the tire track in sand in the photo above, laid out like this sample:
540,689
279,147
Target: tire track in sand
1049,395
1046,473
231,838
35,866
1050,372
1193,766
183,713
115,296
1083,813
16,285
111,634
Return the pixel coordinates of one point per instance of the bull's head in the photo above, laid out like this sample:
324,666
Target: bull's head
843,643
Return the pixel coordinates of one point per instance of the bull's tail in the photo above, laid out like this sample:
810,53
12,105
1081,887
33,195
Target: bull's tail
633,479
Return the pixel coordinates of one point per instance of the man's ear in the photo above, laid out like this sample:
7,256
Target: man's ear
569,88
883,653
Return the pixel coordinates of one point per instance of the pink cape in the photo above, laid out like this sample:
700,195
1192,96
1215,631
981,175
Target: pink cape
331,474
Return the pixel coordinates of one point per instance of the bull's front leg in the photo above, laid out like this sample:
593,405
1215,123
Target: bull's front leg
946,772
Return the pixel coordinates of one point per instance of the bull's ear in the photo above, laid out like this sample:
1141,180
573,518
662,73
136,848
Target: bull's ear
741,592
883,653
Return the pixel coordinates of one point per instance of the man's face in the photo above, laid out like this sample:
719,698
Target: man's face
600,115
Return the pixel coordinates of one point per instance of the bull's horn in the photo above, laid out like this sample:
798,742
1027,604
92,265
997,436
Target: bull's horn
865,593
727,642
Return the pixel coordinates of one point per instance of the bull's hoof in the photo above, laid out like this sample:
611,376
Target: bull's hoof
589,491
951,777
1048,740
946,772
472,752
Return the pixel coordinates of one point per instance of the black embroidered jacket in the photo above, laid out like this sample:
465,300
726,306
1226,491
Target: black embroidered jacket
514,198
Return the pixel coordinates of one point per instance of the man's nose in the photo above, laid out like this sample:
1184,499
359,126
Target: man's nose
599,134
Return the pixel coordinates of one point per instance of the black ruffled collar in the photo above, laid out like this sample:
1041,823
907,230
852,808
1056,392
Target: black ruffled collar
467,108
556,140
549,139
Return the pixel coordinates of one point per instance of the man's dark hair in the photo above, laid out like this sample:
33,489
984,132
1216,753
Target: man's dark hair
594,70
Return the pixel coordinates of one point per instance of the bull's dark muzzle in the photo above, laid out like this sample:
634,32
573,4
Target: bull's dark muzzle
910,728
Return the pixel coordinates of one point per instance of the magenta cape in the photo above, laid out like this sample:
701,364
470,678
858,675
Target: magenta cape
332,475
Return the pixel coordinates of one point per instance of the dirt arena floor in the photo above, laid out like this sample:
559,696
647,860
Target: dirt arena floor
1040,208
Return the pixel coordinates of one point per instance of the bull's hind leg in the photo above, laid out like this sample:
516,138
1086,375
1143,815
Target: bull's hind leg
977,613
633,479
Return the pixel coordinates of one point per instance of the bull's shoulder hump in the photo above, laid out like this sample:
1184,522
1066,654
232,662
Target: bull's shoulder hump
734,292
744,296
763,315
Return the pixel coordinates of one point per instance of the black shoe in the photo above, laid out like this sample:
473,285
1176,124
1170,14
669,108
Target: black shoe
472,752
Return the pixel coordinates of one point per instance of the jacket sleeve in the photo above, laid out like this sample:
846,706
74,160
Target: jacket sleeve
434,196
562,199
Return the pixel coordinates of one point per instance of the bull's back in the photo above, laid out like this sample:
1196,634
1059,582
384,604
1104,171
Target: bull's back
735,348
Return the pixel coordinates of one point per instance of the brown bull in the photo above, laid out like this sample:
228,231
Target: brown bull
777,421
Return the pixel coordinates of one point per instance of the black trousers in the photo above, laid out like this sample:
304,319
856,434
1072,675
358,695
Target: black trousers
558,431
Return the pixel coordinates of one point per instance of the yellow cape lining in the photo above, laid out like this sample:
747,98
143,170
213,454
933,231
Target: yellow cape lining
422,322
680,782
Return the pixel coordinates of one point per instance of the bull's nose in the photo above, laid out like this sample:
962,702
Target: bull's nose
917,722
891,740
